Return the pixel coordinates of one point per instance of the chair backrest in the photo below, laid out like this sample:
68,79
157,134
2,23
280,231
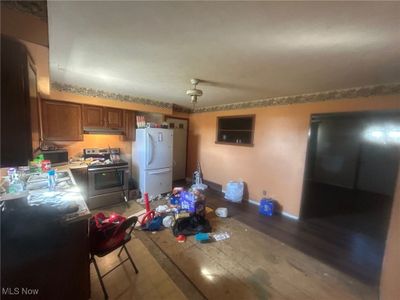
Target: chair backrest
129,223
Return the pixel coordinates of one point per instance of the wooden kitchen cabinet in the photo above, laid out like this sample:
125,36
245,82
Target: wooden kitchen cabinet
93,116
62,121
130,125
114,118
98,118
41,252
20,130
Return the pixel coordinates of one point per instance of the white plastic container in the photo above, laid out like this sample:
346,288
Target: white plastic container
234,191
221,212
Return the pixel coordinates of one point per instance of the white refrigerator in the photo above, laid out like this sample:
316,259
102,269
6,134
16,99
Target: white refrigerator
152,160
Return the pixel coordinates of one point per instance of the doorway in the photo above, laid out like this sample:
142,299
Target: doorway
180,127
350,176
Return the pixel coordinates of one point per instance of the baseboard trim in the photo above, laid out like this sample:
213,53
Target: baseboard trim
286,214
254,202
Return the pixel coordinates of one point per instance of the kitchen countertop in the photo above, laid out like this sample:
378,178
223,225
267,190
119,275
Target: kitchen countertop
75,165
66,198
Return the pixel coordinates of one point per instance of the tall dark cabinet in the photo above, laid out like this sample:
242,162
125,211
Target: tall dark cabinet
20,129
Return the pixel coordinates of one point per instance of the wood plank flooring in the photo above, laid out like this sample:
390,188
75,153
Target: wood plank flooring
265,258
252,265
152,282
353,252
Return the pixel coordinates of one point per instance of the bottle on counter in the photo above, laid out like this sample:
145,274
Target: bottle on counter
16,185
52,179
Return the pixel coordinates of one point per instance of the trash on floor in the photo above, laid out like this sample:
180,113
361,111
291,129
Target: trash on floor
221,212
176,195
181,238
168,221
234,191
202,237
191,225
184,213
220,236
162,209
153,224
193,202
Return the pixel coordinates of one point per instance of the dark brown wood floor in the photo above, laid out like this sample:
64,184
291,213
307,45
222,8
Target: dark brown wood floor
334,240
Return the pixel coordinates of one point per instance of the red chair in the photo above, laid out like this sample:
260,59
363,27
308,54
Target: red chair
116,240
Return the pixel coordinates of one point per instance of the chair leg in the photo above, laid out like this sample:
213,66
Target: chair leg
120,250
130,258
100,278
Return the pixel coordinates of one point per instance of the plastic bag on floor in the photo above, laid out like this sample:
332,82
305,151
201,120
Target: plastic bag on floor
234,191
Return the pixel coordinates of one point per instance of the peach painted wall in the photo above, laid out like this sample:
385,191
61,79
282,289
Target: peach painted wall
391,263
99,141
276,162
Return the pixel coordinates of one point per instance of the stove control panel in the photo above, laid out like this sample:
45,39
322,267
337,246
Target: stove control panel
100,151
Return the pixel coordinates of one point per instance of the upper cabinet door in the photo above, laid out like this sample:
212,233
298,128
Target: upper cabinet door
93,116
34,107
18,84
114,118
130,125
62,121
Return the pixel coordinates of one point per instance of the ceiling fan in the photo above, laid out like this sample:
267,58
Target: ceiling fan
194,92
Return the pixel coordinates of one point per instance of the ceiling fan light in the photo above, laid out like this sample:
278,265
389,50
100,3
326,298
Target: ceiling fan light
194,92
193,99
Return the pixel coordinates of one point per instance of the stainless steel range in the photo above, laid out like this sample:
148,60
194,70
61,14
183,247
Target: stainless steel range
108,177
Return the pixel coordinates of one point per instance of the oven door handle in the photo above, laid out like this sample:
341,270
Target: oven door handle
108,168
149,149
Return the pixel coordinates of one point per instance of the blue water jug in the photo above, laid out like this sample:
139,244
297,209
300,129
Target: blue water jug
267,207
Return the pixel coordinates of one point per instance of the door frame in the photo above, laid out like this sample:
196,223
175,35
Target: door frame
187,137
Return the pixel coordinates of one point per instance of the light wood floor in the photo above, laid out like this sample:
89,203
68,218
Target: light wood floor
152,282
249,265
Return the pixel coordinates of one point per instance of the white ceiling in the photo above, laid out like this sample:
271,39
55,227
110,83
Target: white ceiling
246,50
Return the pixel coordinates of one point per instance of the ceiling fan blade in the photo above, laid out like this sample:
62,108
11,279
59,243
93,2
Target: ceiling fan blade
225,85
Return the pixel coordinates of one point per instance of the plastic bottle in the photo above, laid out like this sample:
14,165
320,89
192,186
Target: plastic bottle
16,185
52,179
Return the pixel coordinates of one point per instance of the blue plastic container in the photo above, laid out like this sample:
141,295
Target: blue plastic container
174,200
267,207
187,201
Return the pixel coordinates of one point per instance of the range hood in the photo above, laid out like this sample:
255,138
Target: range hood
94,130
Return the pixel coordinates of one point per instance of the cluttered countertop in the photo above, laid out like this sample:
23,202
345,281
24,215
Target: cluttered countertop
62,199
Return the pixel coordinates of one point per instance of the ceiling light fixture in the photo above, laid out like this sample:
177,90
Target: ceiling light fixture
194,92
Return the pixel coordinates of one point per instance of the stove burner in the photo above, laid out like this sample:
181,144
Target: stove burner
103,157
